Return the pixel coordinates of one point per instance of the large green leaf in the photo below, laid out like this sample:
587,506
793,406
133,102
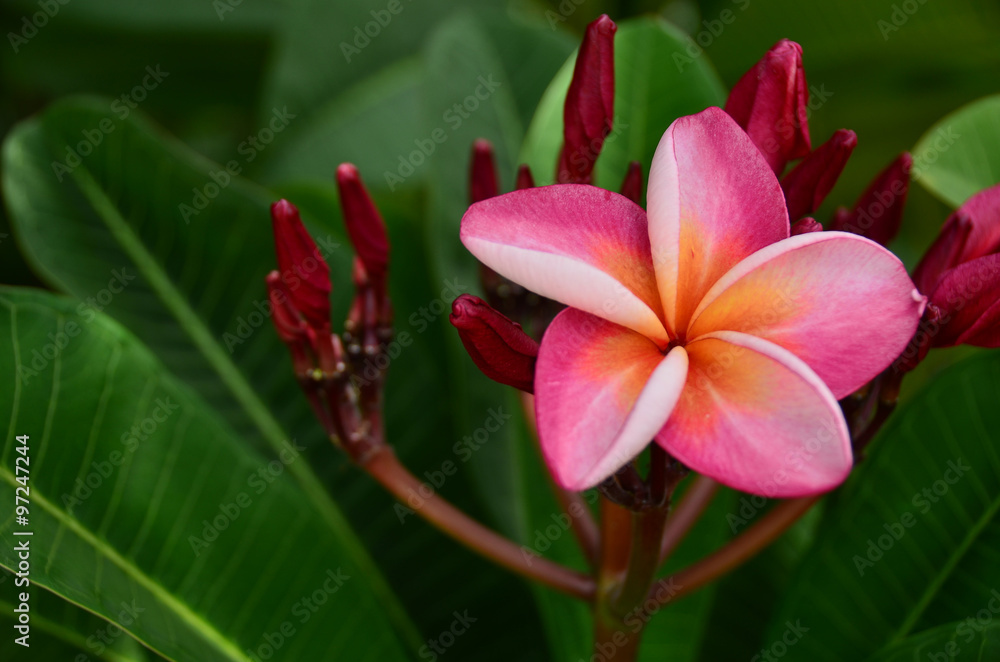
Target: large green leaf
651,91
61,630
196,296
324,48
372,125
911,541
160,519
960,155
977,639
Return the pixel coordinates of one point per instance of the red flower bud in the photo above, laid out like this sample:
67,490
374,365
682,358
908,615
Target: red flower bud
299,256
808,184
968,297
483,172
961,275
287,321
524,178
945,253
769,102
589,109
364,224
879,211
632,185
498,346
807,224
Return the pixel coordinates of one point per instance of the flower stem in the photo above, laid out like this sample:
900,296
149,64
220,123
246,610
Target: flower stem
690,509
385,468
741,549
612,639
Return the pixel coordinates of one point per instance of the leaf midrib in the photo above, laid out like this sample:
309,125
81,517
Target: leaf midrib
230,375
65,634
946,570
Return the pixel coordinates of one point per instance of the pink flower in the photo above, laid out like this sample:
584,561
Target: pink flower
701,324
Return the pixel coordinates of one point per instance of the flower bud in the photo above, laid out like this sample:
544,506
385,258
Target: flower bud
806,225
589,109
524,178
973,231
968,297
498,346
482,172
364,224
298,256
808,183
879,211
769,102
945,253
632,185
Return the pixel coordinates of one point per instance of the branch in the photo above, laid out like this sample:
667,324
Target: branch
741,549
688,512
384,467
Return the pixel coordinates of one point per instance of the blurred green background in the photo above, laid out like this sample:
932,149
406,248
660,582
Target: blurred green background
884,71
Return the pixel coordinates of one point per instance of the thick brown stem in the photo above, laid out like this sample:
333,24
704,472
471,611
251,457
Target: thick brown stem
384,467
612,639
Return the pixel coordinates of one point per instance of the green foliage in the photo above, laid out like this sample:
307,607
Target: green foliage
162,275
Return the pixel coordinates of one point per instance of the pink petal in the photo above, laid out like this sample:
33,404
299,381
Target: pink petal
756,418
712,201
841,303
969,299
580,245
601,394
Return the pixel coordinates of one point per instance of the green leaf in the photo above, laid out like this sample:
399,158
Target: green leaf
162,521
969,641
372,125
324,48
651,91
911,540
196,303
960,155
137,268
61,630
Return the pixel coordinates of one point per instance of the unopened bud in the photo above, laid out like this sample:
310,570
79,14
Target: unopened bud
808,183
770,103
298,256
879,211
632,184
590,101
482,172
497,345
364,224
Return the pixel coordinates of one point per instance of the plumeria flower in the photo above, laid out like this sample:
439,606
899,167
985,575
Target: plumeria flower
700,324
